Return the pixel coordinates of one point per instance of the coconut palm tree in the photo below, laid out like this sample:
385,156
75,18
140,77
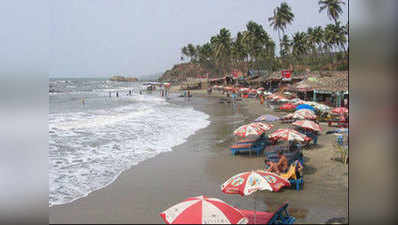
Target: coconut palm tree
333,8
191,51
299,45
239,51
258,44
221,44
185,51
285,45
317,36
282,17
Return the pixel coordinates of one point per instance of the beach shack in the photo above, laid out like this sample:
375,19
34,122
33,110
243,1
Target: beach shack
194,83
332,90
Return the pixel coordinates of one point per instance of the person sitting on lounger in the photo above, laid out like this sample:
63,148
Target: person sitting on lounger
270,166
282,163
280,167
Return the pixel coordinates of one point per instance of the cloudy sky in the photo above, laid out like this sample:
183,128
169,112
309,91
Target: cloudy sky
97,38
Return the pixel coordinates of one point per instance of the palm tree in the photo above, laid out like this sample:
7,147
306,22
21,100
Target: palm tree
221,44
185,52
299,45
258,44
282,17
285,49
317,37
191,51
333,8
239,51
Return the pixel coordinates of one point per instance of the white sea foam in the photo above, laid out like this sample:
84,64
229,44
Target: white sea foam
89,150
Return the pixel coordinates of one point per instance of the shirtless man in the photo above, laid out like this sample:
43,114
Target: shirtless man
282,163
280,167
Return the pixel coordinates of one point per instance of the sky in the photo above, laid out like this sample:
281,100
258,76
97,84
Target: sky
99,38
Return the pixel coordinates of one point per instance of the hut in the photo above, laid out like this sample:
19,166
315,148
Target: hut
330,89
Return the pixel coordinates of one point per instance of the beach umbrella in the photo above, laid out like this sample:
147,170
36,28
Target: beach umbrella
267,117
271,96
318,106
267,93
340,110
287,93
247,183
203,210
253,91
282,99
288,135
308,124
287,116
304,114
244,90
262,125
249,129
287,106
305,106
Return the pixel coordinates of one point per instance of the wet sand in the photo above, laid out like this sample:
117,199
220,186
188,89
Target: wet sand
201,164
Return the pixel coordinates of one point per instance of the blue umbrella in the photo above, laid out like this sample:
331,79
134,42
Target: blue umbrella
305,106
267,117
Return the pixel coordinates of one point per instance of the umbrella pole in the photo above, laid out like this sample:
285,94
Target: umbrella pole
255,208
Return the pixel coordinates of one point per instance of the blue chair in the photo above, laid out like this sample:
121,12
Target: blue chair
249,145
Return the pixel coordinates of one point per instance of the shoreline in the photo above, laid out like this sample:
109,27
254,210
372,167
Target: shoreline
199,166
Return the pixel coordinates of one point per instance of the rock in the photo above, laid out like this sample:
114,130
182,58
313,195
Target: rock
123,79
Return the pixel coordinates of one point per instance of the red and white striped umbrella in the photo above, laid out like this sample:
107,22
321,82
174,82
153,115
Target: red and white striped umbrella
304,114
308,124
340,110
288,135
247,183
244,90
250,129
262,125
203,210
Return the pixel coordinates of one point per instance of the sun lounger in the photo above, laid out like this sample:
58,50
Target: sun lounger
249,145
340,123
272,155
294,178
280,216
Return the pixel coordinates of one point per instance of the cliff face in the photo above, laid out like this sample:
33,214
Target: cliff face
181,72
124,79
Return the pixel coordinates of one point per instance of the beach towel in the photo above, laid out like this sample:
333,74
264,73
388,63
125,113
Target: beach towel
291,173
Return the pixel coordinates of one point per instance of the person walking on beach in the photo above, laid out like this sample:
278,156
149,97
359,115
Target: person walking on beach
117,94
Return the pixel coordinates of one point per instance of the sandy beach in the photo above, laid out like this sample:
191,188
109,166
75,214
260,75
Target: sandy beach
201,164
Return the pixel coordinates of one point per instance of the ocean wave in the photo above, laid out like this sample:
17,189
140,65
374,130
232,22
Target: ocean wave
89,150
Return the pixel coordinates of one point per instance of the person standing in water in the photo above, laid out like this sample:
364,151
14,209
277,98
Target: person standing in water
83,102
117,94
110,94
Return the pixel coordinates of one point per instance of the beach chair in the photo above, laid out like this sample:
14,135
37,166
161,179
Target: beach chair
249,145
296,180
280,216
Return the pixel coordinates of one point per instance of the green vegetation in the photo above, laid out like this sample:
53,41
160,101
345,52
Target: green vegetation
317,48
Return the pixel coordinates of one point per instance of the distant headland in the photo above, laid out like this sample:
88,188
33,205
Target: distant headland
124,79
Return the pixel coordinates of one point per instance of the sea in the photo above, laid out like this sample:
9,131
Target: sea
94,136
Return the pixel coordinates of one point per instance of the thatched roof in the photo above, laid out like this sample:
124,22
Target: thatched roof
337,81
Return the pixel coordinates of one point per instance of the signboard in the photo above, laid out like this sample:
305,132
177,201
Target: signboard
286,75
